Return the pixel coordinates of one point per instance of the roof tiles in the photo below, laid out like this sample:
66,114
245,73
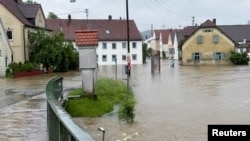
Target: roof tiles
108,29
86,38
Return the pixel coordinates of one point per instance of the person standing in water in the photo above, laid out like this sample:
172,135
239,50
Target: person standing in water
172,63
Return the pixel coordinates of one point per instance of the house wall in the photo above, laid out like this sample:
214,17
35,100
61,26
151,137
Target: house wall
207,48
175,46
10,22
40,20
5,51
119,52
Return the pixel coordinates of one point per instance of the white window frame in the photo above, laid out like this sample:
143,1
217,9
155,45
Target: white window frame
104,58
114,46
104,46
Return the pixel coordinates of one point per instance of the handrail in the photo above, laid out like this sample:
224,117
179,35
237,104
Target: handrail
60,125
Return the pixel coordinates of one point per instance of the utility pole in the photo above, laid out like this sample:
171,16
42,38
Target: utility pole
193,20
87,13
128,55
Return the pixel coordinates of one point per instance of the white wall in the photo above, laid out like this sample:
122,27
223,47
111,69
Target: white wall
119,52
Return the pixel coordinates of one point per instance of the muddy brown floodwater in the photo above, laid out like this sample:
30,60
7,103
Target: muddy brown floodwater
176,104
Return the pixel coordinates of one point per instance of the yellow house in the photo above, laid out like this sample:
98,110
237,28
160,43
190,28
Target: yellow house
19,19
207,45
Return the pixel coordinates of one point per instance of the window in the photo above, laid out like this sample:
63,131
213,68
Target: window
216,39
124,45
113,58
196,56
218,55
208,30
10,34
104,58
104,45
113,45
134,57
134,45
124,58
200,39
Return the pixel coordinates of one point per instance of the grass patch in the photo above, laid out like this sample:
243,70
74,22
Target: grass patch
109,93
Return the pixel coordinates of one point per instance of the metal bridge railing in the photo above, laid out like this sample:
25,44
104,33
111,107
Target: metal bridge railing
60,125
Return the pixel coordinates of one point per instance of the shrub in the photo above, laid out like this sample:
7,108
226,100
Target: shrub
238,58
18,67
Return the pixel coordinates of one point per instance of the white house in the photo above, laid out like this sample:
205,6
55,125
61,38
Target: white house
112,37
5,50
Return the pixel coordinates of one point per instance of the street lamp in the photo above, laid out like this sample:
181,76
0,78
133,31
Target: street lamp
103,132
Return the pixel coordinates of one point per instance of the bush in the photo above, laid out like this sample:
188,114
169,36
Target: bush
18,67
238,58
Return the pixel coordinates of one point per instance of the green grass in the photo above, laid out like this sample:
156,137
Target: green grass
109,92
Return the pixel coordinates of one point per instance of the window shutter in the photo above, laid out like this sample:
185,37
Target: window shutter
216,39
222,55
193,56
200,56
214,55
199,39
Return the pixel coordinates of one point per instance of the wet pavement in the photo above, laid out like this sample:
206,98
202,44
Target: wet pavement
176,104
23,106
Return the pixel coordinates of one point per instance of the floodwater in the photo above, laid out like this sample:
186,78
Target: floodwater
178,103
175,104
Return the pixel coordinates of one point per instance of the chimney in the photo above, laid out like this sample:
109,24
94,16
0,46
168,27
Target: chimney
69,19
244,41
214,21
110,17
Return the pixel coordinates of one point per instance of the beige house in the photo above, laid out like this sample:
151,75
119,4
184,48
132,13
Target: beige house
19,19
207,45
5,50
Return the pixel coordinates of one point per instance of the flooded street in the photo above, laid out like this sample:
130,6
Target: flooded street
176,104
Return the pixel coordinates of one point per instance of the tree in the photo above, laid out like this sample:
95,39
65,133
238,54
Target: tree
150,51
52,51
144,52
52,15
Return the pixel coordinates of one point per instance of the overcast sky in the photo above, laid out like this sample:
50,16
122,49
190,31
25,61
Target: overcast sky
159,13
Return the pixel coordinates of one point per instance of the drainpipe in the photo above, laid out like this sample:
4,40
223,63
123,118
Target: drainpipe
24,46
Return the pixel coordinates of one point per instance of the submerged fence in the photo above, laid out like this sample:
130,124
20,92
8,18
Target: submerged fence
60,125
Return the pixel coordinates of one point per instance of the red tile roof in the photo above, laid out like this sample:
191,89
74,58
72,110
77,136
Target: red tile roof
108,29
86,38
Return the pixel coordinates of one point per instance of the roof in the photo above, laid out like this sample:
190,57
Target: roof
237,32
21,10
86,38
164,34
29,10
108,29
206,24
